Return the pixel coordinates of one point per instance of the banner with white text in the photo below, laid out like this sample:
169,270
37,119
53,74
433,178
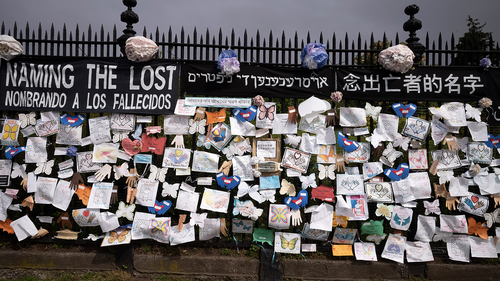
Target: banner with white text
201,78
445,84
89,85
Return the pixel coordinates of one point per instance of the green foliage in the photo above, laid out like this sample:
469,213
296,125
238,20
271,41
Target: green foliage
225,251
475,39
253,252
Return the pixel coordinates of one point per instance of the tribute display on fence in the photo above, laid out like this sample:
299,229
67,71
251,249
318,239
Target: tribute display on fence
334,178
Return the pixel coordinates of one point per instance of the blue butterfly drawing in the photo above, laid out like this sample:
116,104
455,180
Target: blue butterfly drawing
241,226
348,236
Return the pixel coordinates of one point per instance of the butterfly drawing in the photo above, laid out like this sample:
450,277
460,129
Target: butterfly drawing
246,209
10,132
389,155
440,112
267,112
27,119
441,235
326,157
308,181
157,173
279,215
477,228
474,113
170,190
126,211
268,195
241,224
372,111
114,236
18,170
432,207
326,171
45,167
376,238
288,244
293,140
344,236
119,136
160,226
287,188
492,218
198,219
121,170
197,126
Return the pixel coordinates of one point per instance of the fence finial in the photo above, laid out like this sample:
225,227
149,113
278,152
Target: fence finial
412,25
129,17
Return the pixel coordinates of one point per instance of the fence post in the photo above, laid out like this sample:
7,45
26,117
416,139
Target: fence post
412,25
129,17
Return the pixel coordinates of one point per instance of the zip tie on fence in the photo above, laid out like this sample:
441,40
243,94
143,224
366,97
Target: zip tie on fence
236,241
272,261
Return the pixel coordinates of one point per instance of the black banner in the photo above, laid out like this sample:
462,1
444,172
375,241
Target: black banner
199,78
89,85
493,92
421,84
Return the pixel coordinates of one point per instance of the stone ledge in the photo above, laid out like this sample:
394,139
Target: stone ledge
198,265
242,268
57,260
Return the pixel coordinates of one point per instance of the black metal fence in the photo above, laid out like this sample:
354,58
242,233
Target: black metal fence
270,49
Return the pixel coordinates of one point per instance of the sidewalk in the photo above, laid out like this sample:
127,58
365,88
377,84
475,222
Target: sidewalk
239,268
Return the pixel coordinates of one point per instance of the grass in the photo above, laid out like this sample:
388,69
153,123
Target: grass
225,252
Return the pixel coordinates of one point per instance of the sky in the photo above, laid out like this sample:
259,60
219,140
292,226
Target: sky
353,17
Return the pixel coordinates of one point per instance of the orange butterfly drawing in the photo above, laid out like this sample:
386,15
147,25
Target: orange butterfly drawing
327,157
339,220
10,132
120,237
478,228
